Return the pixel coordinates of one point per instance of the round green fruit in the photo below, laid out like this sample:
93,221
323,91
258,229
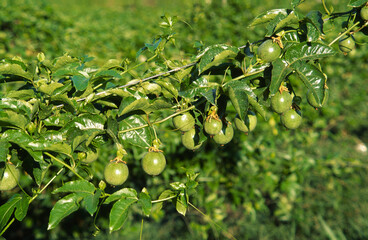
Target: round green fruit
189,139
249,123
291,119
281,102
10,177
346,44
312,100
212,126
116,173
225,135
154,163
268,51
184,122
89,156
364,13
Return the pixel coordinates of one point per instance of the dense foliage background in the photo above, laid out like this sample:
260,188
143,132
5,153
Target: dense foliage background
309,183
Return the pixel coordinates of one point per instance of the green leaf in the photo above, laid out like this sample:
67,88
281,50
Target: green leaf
280,69
304,51
63,208
281,21
313,78
200,86
49,88
271,27
257,107
18,106
315,17
7,209
356,3
14,69
4,149
69,105
22,208
22,139
47,145
63,61
158,105
145,202
122,193
312,32
210,95
78,186
119,213
267,16
108,73
168,89
85,122
181,203
9,118
24,94
80,82
58,120
239,99
295,3
91,202
139,137
139,104
214,55
165,194
178,186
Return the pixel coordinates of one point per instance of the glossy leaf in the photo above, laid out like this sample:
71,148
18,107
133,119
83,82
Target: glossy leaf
177,186
18,106
108,73
356,3
78,186
63,208
139,104
50,88
158,105
14,69
24,94
313,78
315,17
145,202
181,203
312,32
280,69
80,82
239,99
122,193
168,89
119,213
9,118
267,16
214,55
69,105
139,137
198,87
295,3
91,202
7,209
257,107
22,139
164,195
4,149
22,208
281,21
312,51
86,122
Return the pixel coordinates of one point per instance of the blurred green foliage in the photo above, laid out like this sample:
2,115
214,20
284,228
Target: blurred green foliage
310,183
